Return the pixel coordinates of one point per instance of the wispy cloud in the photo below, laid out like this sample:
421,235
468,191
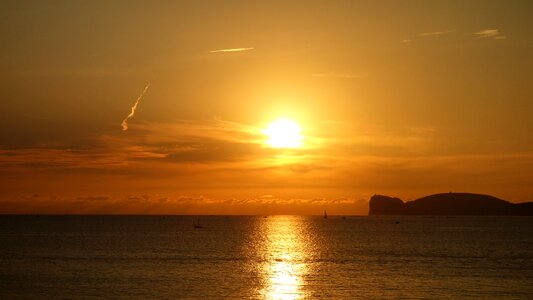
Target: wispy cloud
124,123
482,34
112,155
231,50
490,33
426,35
435,33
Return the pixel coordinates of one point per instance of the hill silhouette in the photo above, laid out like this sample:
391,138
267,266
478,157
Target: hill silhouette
449,204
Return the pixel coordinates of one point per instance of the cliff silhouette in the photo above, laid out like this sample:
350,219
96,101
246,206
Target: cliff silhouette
449,204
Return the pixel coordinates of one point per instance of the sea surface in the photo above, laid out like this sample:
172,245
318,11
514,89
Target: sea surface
265,257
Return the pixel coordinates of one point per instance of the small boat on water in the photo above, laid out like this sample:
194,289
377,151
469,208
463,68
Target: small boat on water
197,224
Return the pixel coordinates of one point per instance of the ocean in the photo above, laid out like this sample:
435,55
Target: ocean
265,257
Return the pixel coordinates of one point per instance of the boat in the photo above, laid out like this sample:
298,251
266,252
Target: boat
197,224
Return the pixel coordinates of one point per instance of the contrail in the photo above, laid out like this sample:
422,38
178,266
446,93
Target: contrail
231,50
133,109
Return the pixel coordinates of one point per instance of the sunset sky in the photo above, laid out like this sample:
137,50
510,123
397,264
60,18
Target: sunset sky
402,98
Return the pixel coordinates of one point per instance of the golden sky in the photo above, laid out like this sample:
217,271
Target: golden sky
161,106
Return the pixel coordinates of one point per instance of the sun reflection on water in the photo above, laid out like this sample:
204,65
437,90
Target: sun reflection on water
285,265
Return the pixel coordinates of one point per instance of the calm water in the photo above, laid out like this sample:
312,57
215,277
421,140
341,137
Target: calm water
279,257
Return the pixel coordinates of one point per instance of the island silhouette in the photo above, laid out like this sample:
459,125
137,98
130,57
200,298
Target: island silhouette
449,204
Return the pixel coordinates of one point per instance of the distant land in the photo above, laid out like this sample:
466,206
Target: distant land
449,204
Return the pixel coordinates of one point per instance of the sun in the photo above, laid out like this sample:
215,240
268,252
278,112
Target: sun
284,133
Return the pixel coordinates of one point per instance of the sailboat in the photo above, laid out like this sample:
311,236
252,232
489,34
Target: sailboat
325,214
197,224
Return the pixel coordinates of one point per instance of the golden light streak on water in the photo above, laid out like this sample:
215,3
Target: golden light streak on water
285,267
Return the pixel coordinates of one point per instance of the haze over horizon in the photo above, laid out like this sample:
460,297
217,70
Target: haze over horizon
168,107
